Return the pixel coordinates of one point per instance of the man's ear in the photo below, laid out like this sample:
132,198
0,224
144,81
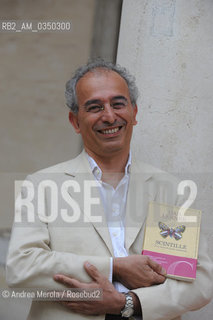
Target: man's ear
135,111
73,118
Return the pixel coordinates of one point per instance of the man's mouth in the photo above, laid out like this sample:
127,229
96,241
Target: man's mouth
110,131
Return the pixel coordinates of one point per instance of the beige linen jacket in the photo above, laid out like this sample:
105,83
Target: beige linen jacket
39,249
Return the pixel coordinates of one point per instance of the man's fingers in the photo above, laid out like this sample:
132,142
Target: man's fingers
157,267
158,278
92,271
70,282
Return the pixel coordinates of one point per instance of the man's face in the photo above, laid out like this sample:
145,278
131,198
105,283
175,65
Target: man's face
106,116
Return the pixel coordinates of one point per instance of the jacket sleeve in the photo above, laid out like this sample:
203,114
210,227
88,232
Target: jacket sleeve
31,263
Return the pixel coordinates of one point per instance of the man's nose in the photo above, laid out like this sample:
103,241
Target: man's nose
108,114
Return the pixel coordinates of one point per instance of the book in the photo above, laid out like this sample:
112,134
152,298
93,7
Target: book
173,242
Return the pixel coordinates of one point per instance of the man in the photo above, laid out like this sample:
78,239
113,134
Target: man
101,239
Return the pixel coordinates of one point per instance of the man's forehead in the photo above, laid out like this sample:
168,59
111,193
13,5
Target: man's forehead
103,84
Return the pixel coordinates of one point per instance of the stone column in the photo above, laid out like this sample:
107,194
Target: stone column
168,46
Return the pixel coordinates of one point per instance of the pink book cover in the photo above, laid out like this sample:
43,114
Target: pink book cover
171,239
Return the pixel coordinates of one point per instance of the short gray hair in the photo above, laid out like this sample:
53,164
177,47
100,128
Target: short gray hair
70,93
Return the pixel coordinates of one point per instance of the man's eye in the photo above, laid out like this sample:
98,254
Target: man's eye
94,109
118,105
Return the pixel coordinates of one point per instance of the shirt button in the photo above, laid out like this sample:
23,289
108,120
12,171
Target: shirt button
115,234
115,210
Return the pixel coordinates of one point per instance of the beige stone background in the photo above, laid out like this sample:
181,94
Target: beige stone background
168,46
34,129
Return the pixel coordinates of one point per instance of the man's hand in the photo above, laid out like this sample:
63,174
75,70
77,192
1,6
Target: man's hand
137,271
112,301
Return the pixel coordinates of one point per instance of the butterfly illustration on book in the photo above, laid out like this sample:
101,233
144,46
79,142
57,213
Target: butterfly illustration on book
172,232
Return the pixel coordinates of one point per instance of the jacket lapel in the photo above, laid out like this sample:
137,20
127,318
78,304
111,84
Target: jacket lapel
139,195
96,216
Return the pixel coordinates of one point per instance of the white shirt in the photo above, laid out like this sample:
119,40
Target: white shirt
114,203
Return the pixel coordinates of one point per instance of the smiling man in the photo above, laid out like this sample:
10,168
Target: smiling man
107,255
106,114
105,118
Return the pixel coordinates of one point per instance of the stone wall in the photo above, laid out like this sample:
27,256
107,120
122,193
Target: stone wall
34,127
168,45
